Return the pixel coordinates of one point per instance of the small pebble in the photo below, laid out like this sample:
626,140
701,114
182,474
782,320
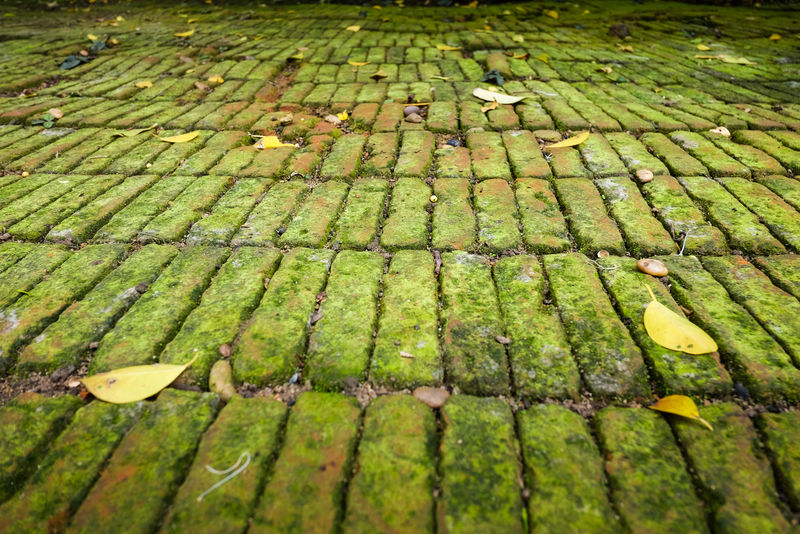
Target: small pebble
220,380
644,175
434,199
25,174
333,119
652,267
503,340
721,130
454,142
295,378
225,350
286,119
411,109
414,117
433,397
602,254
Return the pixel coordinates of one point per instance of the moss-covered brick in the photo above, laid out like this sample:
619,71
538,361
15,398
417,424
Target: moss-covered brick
381,154
228,214
135,160
442,117
86,321
148,466
104,157
273,343
679,162
525,155
757,162
389,117
363,115
787,188
249,426
495,210
305,491
786,137
644,234
28,271
566,163
592,227
340,346
416,154
563,115
66,473
772,211
15,186
600,157
734,474
52,190
476,362
564,473
780,431
261,227
751,355
248,116
358,224
541,359
30,423
12,252
186,208
126,223
204,154
789,158
371,93
33,311
481,476
408,220
488,156
452,162
470,116
38,157
717,161
31,143
650,484
742,228
611,363
138,337
672,371
453,219
533,116
777,311
635,154
784,271
543,226
682,218
312,223
11,134
36,225
503,118
408,324
344,160
264,163
396,456
227,303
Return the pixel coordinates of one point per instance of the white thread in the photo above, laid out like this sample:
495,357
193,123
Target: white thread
234,470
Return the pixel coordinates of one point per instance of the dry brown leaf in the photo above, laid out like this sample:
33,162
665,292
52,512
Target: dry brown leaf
489,107
56,113
378,75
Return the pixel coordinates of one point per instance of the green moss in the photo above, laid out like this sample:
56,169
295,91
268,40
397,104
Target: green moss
600,158
635,154
19,208
453,219
29,270
203,155
781,433
590,225
525,155
270,214
784,271
416,154
311,224
228,213
544,228
757,161
488,156
719,163
495,210
381,154
679,162
358,224
407,224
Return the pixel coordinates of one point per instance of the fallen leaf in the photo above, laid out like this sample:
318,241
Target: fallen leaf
673,331
721,130
343,116
131,384
405,354
131,133
91,37
358,63
297,56
774,37
56,113
191,21
474,3
113,41
120,18
216,78
552,13
144,84
607,69
270,141
183,138
378,75
703,47
187,33
443,78
447,48
353,28
491,106
571,141
518,38
735,60
512,55
543,57
680,405
625,48
698,56
491,96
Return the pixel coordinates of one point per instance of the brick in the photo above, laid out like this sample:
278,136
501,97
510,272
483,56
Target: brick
601,160
488,156
11,253
592,228
563,115
780,433
15,186
717,162
29,270
442,117
452,162
51,191
275,208
543,227
566,163
784,271
416,155
107,155
312,223
202,156
38,157
31,143
453,218
495,211
470,116
228,213
610,362
381,154
525,155
344,160
635,154
679,162
407,223
358,225
755,160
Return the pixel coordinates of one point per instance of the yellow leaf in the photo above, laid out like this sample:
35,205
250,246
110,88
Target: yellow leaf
144,84
474,3
378,75
377,7
270,141
183,138
343,116
680,405
625,48
113,41
131,384
131,133
191,21
674,331
91,37
120,18
518,38
447,48
606,69
442,78
187,33
353,28
585,12
543,57
491,96
703,47
571,141
735,60
358,63
774,37
491,106
552,13
216,78
297,56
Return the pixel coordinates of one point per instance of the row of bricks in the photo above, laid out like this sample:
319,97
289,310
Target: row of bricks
326,464
369,318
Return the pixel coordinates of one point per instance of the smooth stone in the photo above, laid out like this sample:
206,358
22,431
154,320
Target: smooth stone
433,397
411,109
652,267
644,175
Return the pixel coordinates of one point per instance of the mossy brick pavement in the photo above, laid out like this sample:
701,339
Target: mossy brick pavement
450,250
